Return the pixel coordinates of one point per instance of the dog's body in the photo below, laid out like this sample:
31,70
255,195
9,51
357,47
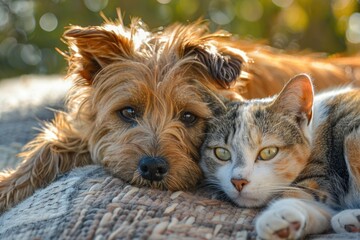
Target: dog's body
268,69
141,100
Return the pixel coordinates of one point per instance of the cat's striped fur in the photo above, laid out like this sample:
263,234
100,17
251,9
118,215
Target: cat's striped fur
295,153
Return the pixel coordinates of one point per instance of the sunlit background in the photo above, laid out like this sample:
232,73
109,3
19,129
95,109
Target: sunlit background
31,30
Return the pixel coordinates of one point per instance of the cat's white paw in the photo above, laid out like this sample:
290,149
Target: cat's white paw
346,221
286,222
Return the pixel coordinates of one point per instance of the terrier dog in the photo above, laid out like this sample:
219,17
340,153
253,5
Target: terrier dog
141,100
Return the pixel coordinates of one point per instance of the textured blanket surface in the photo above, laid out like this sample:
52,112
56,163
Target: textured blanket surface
88,203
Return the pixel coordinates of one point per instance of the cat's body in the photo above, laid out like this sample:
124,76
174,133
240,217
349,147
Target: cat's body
299,156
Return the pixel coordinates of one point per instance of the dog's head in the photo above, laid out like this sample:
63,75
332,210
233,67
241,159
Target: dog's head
142,98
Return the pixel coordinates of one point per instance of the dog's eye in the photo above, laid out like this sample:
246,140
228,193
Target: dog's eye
128,114
188,118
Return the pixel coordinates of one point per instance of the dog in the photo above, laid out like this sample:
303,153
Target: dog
141,100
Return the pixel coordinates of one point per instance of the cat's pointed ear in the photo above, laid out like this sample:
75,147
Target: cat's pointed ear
297,97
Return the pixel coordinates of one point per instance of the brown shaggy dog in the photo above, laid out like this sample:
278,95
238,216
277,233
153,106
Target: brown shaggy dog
141,100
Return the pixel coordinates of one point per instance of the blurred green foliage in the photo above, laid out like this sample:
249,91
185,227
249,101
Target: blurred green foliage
30,30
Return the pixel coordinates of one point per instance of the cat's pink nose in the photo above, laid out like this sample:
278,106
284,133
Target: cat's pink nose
239,183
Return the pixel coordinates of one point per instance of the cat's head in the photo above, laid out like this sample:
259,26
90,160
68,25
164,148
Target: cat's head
259,147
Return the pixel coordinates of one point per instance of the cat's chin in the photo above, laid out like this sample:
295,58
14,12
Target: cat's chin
249,201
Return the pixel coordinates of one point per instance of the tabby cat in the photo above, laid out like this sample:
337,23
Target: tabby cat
295,153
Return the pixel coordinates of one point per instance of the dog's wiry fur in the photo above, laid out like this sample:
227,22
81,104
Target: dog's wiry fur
163,76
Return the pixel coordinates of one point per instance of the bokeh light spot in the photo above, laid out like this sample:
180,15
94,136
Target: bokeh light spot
30,54
250,10
353,31
340,4
14,57
295,18
221,11
96,5
22,8
6,45
48,22
283,3
187,7
164,1
342,8
30,24
4,17
341,25
165,13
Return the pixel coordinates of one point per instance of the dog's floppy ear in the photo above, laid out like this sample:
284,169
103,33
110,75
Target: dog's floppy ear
223,63
93,48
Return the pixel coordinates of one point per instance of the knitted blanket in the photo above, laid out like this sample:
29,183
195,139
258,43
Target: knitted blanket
88,203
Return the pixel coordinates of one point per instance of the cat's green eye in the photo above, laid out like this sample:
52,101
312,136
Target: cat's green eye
268,153
222,154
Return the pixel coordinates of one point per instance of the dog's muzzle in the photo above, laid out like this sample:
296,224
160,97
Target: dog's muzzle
153,168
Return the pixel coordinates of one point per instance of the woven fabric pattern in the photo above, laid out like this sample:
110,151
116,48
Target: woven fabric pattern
87,203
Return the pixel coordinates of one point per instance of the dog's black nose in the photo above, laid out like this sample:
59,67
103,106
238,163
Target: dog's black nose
153,168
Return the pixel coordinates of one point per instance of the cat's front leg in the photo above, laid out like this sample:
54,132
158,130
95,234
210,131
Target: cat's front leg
346,221
293,219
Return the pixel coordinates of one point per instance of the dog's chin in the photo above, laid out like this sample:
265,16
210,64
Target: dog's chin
168,183
138,181
142,182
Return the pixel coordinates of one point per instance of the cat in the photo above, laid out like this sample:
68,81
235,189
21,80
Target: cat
296,153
